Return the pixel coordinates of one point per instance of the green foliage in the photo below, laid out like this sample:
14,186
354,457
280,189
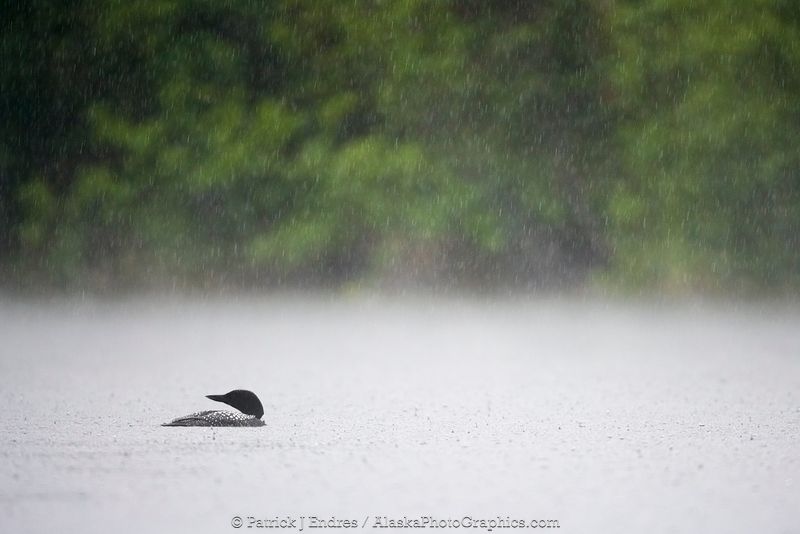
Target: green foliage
711,195
199,142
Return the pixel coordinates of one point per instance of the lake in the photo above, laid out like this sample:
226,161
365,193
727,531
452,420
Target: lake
587,415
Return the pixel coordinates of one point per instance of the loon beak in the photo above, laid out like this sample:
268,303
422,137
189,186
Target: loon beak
218,398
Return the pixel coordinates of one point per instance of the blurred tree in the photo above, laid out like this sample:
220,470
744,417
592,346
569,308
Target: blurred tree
710,96
45,84
201,142
235,138
510,94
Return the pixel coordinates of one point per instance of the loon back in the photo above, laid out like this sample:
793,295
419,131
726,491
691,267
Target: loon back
215,418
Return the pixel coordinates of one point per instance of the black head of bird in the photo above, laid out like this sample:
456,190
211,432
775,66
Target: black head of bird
243,400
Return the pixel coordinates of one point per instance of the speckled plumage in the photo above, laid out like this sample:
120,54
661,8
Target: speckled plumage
247,402
216,418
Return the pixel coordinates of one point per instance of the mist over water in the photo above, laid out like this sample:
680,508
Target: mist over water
607,416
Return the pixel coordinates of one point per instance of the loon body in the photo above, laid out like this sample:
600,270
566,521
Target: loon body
250,412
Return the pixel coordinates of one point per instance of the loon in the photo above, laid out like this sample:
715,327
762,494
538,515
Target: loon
245,401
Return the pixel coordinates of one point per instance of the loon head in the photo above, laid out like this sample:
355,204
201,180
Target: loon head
243,400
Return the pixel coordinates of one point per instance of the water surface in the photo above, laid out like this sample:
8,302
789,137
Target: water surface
605,417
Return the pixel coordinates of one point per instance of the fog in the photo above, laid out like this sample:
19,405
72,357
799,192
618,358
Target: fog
605,416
